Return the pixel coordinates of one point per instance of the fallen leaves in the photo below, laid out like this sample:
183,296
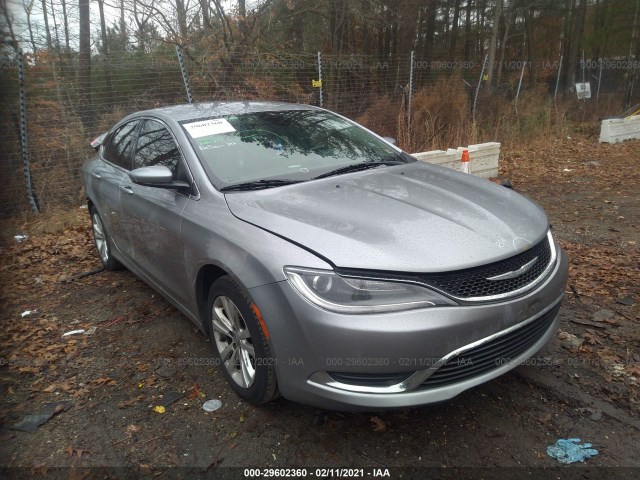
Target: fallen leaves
378,424
76,452
65,386
132,401
194,392
103,381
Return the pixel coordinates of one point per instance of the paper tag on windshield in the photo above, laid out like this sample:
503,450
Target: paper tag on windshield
205,128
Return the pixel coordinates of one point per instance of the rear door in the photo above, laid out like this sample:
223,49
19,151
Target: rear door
152,215
107,177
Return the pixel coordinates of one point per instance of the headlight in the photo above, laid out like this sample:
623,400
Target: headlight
330,291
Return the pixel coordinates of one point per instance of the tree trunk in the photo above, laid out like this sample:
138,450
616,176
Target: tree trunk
447,12
28,8
482,11
84,57
503,45
298,32
365,28
242,20
46,26
206,18
182,19
454,29
497,13
467,32
55,28
105,54
66,27
530,44
576,40
430,29
123,27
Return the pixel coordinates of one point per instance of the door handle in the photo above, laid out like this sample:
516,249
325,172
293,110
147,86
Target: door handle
96,174
126,189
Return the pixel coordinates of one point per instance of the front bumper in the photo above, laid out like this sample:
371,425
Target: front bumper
308,342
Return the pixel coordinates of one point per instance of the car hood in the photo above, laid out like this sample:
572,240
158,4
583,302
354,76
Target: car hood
409,218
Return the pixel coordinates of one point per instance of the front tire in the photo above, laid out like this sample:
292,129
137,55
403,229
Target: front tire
240,342
102,241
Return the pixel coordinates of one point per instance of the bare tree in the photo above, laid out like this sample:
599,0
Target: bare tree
28,9
454,28
576,40
106,58
84,57
46,25
493,43
8,20
66,27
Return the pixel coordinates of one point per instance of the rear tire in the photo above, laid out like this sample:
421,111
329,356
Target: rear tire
102,241
240,343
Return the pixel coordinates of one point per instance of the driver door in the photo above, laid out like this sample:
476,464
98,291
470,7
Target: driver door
152,216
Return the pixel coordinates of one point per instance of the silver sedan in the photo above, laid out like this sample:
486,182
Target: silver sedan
326,265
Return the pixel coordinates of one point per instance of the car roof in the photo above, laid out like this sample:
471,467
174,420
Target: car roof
179,113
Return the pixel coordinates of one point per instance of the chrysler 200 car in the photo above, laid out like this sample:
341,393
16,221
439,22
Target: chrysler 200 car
325,264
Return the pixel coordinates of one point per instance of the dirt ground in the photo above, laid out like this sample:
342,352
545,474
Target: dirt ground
138,351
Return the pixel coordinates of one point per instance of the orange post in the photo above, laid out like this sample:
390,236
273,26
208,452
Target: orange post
465,161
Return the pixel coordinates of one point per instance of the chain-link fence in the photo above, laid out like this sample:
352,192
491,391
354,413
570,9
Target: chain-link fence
68,104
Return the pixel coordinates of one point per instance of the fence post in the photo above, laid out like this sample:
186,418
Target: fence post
410,96
23,134
475,98
599,79
185,77
524,64
320,77
555,92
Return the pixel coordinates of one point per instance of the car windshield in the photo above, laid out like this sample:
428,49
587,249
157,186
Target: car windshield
286,146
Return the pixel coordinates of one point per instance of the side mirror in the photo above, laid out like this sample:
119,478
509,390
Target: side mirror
391,140
156,176
95,144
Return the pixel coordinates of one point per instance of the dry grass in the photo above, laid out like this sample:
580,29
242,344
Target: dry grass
381,117
440,118
53,221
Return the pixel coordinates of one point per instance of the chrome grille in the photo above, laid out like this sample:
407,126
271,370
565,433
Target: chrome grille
473,283
491,355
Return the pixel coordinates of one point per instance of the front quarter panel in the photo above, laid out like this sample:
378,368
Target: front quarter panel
254,257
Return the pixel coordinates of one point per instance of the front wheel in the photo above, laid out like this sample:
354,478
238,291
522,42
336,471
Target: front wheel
240,342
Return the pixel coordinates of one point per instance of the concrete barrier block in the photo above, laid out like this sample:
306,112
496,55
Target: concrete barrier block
483,158
616,130
449,159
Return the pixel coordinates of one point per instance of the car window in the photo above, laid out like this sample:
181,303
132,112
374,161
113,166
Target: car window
156,147
293,145
119,150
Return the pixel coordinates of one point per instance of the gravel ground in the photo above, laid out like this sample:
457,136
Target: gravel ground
138,352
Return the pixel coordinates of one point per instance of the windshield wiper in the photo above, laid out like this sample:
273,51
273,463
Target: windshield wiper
257,185
355,167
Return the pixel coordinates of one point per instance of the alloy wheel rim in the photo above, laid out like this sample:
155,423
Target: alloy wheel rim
233,341
100,238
